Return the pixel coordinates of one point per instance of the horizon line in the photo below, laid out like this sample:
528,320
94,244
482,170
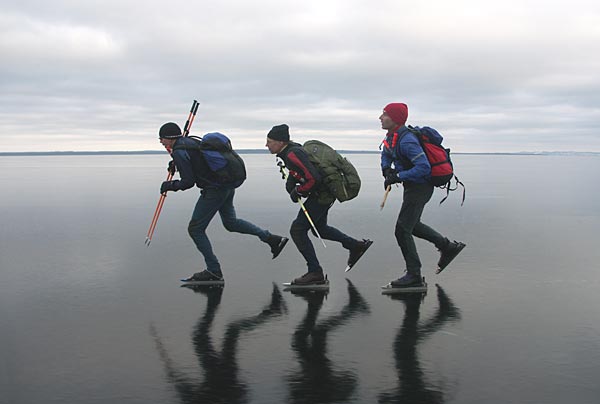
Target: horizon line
264,151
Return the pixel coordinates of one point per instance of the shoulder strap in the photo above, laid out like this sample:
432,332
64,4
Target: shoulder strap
394,141
185,146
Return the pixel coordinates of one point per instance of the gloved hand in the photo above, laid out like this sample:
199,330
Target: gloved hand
387,171
167,186
295,195
172,168
290,186
390,179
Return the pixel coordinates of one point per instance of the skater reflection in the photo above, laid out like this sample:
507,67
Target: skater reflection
317,380
220,383
412,385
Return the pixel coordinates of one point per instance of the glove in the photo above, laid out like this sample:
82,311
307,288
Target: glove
171,168
167,186
290,186
295,195
390,179
387,171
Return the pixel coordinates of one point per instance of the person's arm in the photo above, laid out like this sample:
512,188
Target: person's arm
304,169
290,184
186,173
411,149
386,161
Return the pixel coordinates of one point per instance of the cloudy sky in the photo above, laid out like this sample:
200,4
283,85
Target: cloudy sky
499,76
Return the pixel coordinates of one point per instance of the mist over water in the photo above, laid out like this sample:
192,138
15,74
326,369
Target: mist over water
89,314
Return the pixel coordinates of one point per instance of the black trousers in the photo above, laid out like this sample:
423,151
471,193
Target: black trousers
409,224
300,227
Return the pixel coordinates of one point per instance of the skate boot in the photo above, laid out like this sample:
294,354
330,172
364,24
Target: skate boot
205,277
310,278
357,252
407,280
409,283
277,243
448,254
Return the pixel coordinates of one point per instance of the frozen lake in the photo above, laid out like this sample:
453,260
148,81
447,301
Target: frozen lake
89,314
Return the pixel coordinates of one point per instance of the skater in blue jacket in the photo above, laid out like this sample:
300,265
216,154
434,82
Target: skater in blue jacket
404,161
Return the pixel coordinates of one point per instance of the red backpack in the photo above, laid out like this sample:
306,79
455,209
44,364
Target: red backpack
442,170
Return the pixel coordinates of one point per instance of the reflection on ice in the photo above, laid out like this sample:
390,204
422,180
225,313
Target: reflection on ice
318,380
221,382
413,386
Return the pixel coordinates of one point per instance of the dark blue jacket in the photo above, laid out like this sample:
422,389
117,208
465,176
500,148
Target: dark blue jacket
403,150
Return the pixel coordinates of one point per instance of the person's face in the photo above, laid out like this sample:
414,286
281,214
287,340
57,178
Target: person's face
168,143
386,122
274,146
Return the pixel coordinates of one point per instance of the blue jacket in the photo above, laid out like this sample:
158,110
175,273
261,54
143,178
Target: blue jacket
403,150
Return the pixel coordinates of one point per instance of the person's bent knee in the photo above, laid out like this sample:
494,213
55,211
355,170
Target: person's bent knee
297,229
402,231
229,225
195,228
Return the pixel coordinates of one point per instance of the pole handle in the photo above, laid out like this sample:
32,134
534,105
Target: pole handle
387,191
192,114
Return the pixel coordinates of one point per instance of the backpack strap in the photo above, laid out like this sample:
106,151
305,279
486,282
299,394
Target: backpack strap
395,138
196,146
448,188
394,141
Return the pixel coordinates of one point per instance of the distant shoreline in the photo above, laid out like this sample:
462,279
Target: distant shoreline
260,151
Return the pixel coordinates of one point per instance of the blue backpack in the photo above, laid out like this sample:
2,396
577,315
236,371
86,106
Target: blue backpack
226,167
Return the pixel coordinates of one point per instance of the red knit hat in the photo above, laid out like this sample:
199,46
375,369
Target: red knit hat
397,111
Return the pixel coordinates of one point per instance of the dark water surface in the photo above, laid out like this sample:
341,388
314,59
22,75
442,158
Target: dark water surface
88,314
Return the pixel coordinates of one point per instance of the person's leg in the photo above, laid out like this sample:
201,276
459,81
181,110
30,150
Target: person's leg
233,223
206,208
423,231
299,232
448,249
355,247
415,198
326,231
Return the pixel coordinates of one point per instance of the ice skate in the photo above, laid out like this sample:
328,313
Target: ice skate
204,278
357,252
310,280
448,254
406,284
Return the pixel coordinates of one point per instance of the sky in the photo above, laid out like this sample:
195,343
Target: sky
502,76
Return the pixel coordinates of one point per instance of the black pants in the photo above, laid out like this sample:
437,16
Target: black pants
409,224
300,227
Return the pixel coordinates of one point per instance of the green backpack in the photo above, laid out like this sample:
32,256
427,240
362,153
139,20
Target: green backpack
339,175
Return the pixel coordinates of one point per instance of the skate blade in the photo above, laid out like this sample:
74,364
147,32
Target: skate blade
389,289
316,286
349,267
202,283
460,248
282,245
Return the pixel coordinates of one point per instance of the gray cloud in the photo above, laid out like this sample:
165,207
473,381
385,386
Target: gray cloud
105,75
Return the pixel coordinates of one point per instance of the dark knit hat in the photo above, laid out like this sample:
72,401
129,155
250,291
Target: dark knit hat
169,130
280,132
397,111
